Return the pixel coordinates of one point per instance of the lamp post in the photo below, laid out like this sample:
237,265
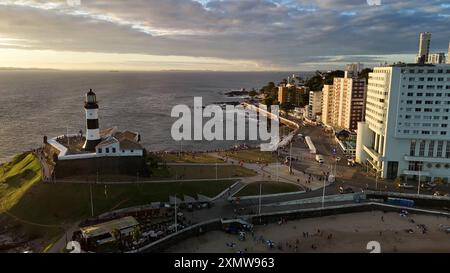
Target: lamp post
323,195
420,177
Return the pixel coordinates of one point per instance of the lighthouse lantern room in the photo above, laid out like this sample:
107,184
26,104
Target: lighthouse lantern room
93,137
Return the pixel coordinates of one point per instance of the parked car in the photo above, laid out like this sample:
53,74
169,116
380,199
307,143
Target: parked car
320,159
429,185
351,162
346,190
405,186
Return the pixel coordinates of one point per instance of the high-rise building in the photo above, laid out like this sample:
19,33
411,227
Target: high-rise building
291,94
315,105
407,128
343,103
327,103
436,58
424,47
354,69
448,54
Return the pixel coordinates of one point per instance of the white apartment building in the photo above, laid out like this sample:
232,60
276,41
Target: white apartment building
448,55
407,128
315,105
343,103
327,104
424,47
436,58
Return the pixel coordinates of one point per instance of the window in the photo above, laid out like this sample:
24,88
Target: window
440,148
447,153
100,150
107,150
422,148
431,148
114,150
412,149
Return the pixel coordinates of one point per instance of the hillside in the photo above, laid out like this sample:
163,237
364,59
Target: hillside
16,178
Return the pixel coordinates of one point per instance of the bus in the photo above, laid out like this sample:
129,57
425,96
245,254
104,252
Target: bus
400,202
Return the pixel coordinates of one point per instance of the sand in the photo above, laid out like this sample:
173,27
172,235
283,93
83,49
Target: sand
350,233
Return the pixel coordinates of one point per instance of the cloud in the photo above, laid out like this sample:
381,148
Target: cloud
278,33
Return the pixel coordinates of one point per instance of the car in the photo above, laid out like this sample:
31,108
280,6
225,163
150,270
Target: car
347,190
320,159
437,194
351,162
289,158
405,186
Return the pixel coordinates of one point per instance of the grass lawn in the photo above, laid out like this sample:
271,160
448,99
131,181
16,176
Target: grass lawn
268,188
175,173
206,172
16,178
65,204
251,156
191,158
39,210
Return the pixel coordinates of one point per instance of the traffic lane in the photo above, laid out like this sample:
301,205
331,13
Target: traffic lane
330,190
324,142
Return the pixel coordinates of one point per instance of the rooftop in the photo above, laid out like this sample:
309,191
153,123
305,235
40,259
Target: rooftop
109,227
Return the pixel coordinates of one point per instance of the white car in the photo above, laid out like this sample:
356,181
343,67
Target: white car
405,186
320,159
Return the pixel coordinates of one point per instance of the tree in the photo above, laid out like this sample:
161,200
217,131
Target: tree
253,93
137,234
439,181
365,74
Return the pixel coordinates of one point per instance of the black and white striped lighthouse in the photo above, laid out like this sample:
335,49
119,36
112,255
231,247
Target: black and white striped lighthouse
92,128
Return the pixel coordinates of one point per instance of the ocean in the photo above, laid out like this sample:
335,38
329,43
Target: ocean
50,103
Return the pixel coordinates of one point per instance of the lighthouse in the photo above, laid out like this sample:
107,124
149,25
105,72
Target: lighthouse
92,127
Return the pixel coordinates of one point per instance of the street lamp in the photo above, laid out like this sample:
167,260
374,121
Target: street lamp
420,176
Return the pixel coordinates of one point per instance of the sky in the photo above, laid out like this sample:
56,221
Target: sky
227,35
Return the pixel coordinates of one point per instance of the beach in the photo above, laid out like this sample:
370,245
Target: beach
345,233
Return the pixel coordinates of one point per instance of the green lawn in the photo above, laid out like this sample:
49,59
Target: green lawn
206,172
65,204
191,158
16,178
268,188
39,210
178,172
251,156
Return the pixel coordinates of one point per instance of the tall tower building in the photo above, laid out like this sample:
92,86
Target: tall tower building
92,126
424,47
343,103
448,55
407,128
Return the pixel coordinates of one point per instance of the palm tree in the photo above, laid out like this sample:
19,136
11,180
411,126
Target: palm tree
137,234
